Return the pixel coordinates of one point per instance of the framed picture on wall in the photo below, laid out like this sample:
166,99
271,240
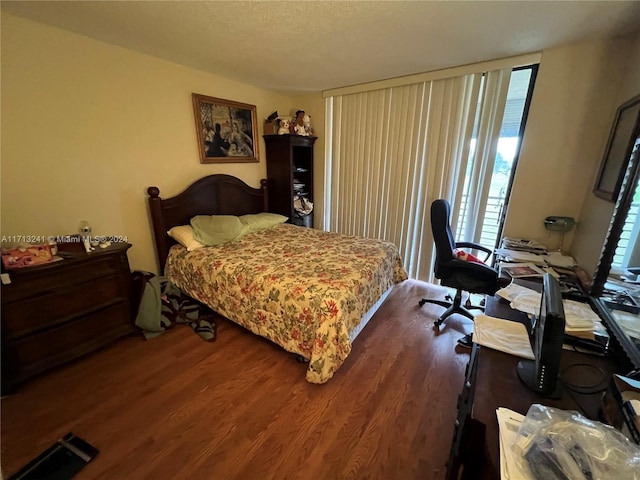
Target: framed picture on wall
227,131
625,129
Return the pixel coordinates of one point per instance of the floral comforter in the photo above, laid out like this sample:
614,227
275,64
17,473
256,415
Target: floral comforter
302,288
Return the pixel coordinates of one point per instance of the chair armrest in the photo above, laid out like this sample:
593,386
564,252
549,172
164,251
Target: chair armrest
475,246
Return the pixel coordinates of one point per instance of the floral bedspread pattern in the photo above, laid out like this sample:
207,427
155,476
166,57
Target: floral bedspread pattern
303,289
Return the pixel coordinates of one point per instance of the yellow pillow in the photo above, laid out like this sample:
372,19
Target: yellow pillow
183,234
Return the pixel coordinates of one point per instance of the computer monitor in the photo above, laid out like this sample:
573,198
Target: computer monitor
547,336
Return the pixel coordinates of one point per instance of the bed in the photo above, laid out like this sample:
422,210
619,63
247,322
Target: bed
310,292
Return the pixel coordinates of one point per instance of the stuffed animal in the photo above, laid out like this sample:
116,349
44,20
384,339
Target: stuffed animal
306,121
299,130
283,126
298,126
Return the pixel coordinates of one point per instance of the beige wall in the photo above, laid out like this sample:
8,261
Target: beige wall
87,127
562,146
596,213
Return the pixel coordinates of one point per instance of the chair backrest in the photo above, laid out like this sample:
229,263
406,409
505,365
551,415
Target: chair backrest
441,229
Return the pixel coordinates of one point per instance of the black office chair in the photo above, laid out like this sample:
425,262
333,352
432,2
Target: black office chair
463,275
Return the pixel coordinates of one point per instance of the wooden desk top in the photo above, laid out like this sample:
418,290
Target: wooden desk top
498,385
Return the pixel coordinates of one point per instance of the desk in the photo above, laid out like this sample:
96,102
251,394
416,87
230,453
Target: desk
491,382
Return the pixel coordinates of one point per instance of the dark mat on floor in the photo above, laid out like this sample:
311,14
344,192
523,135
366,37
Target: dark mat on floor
61,461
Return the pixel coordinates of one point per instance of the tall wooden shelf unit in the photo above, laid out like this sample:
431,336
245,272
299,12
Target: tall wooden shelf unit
289,161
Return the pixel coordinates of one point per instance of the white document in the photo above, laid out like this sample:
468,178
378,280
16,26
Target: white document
503,335
527,302
557,259
508,424
512,290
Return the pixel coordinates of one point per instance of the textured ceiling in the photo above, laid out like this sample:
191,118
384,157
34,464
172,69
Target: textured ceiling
296,47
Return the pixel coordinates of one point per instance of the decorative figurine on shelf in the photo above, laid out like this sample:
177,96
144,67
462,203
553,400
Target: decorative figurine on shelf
283,126
85,231
306,121
298,126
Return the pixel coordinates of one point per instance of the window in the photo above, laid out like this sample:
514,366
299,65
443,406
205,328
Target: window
486,227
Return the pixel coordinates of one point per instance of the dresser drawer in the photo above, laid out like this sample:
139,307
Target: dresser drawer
43,280
46,349
60,304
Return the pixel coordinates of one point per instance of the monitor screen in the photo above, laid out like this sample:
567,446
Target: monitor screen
547,337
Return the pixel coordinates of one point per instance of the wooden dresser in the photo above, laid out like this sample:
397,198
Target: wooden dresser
57,312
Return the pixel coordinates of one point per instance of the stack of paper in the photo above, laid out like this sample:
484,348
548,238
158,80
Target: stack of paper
521,270
508,424
520,256
580,319
554,259
524,245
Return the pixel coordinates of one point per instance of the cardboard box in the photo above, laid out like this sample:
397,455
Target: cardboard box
26,256
271,128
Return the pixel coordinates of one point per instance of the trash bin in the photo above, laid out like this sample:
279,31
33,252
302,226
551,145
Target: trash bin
303,220
304,212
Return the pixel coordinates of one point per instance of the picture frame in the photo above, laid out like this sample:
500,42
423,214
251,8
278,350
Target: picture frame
625,129
227,131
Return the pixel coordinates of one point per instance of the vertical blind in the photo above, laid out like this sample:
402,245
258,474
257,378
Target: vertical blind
392,151
482,160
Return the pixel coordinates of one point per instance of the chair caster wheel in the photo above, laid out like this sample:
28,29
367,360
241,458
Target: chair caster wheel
448,298
421,302
468,304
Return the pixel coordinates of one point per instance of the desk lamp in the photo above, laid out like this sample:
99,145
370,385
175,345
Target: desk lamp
559,224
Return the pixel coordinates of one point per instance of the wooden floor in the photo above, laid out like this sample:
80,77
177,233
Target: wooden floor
177,407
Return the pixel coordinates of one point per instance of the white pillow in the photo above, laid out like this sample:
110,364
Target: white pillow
183,234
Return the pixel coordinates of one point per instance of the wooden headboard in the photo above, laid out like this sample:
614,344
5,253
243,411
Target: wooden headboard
211,195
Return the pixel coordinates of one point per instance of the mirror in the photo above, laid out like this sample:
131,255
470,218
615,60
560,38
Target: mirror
618,150
616,284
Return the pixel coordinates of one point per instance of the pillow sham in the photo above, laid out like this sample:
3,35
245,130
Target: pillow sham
217,229
260,221
183,234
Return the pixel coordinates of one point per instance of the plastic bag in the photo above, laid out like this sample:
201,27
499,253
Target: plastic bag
561,444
